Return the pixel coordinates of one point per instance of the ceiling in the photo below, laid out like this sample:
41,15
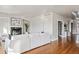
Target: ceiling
35,10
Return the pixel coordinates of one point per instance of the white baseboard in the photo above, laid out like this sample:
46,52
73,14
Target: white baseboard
54,39
57,38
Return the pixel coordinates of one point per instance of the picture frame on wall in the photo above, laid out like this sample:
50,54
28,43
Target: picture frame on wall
15,21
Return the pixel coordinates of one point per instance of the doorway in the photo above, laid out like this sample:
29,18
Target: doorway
72,35
71,29
59,32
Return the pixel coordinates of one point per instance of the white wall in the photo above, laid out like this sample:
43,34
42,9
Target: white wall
50,21
37,25
4,25
42,23
55,19
55,26
64,20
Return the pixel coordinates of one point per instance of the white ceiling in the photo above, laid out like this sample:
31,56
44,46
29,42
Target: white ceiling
35,10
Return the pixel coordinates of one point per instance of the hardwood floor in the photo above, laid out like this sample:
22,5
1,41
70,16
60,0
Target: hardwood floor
2,50
66,46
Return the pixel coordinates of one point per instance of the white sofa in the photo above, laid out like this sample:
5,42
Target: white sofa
20,43
39,39
25,42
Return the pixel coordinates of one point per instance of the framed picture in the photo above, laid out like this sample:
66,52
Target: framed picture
15,21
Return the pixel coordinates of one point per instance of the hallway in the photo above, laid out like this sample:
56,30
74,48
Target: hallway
56,48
